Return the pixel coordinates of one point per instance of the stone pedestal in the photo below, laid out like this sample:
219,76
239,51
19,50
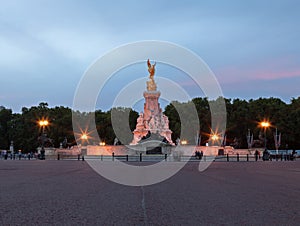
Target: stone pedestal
152,120
48,151
151,105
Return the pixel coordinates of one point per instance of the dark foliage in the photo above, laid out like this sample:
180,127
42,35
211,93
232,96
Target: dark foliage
242,115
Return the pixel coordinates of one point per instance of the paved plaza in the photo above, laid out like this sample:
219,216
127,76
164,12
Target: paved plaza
71,193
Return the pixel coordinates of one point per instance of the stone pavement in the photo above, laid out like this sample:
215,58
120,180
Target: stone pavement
71,193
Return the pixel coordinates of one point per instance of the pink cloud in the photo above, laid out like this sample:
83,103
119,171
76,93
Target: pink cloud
277,69
271,75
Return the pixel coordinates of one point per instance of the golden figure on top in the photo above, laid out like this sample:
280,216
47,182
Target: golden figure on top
151,86
151,69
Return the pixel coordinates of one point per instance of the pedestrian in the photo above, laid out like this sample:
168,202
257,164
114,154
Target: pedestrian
293,157
201,155
266,155
256,155
197,154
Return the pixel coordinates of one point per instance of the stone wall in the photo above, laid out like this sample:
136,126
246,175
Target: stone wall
107,150
123,150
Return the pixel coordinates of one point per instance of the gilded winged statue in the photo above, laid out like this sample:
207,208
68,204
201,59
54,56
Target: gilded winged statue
151,86
151,69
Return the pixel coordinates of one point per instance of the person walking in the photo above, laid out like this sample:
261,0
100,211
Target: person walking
256,155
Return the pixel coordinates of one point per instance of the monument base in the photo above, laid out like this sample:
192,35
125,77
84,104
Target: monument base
152,119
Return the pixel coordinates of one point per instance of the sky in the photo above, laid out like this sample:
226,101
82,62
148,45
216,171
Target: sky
252,47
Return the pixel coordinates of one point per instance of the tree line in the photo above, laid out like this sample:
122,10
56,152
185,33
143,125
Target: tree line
245,116
242,117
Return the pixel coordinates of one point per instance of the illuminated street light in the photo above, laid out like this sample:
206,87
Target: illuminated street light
43,123
84,139
102,143
265,125
84,136
183,142
215,137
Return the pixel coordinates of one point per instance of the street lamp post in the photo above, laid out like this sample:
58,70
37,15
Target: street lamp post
277,138
265,125
249,139
43,124
84,138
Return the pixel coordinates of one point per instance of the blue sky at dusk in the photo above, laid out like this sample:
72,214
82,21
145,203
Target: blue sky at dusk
252,47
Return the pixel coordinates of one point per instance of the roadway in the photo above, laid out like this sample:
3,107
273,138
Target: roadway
69,192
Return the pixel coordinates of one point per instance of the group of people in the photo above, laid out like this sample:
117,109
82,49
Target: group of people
5,155
266,156
199,154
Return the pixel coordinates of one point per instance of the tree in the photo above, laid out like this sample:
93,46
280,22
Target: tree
5,118
23,129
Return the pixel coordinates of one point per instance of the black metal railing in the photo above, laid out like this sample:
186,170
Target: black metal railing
171,158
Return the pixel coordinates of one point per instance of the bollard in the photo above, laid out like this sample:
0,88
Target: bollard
82,157
204,158
126,158
113,156
247,157
227,156
166,157
140,157
237,157
58,157
78,157
101,157
281,157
